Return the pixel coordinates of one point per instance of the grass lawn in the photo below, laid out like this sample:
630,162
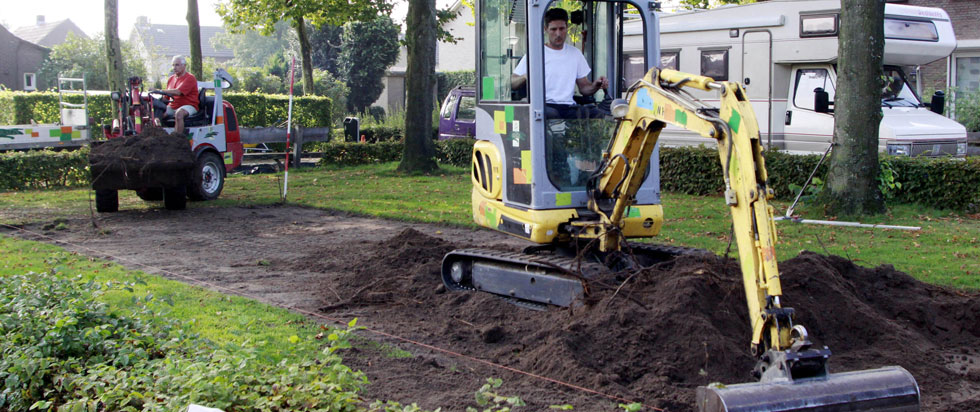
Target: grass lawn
946,251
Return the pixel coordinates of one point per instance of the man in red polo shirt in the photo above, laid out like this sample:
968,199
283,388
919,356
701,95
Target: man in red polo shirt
182,88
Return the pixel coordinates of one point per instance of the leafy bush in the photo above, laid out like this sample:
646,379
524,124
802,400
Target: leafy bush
40,169
968,110
64,349
446,81
254,109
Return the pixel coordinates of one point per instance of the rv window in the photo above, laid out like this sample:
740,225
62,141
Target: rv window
714,64
896,91
910,30
806,81
503,42
670,60
817,26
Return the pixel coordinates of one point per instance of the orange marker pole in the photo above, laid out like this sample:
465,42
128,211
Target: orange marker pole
289,125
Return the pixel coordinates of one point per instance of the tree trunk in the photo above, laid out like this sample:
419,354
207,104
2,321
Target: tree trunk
852,187
304,49
194,33
114,62
419,151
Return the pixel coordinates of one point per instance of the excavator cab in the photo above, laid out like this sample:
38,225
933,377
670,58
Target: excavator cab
532,165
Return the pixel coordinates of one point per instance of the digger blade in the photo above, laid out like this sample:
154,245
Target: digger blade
890,389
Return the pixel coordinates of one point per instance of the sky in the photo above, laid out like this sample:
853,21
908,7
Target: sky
88,14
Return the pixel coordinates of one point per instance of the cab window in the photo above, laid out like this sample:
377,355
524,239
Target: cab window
807,80
447,107
504,41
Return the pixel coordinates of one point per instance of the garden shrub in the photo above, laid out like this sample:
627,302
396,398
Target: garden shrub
253,109
64,349
42,169
446,81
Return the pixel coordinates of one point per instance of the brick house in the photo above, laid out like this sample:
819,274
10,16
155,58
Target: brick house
961,70
158,43
21,61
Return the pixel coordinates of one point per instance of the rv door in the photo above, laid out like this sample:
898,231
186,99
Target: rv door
806,129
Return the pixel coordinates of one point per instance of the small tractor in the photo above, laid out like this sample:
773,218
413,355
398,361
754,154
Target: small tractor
212,134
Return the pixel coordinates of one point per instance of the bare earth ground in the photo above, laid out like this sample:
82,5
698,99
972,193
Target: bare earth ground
671,328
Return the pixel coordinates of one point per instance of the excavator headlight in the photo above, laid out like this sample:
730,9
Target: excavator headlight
619,108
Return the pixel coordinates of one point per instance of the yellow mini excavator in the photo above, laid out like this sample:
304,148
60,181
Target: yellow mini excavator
581,185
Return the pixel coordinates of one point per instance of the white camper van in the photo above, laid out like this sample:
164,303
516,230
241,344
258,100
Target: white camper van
782,51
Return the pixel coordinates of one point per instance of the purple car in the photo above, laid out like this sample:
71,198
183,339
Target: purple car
457,119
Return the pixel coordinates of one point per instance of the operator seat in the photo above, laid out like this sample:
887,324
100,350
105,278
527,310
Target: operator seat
201,118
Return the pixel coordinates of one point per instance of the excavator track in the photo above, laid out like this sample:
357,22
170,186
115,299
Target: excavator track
535,280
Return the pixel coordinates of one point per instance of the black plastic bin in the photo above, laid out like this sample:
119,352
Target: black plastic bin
352,129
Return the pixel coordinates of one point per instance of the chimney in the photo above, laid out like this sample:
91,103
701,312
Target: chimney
40,19
142,21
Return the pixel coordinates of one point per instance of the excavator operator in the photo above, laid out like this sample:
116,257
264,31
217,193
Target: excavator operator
565,68
182,89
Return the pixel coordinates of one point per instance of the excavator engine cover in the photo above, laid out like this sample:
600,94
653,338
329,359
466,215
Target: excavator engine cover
888,389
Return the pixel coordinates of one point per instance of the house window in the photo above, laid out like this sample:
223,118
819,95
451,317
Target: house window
30,81
714,64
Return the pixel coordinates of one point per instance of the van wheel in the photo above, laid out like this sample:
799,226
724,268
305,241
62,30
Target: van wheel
175,198
107,201
208,178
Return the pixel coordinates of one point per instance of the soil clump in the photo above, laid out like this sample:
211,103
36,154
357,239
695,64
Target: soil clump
151,158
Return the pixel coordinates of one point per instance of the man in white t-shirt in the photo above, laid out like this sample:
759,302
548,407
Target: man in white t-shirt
565,68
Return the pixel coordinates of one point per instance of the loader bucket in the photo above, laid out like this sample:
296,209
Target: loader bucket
891,389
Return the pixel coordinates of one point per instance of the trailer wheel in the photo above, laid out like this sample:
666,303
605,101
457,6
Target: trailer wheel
152,194
175,198
107,200
208,177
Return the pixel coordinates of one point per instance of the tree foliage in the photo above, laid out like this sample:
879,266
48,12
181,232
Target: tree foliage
326,44
78,57
368,50
252,48
263,15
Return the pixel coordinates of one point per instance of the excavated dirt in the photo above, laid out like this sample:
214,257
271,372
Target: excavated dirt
669,329
152,157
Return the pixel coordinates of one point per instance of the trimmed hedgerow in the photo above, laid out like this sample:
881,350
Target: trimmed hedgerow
41,169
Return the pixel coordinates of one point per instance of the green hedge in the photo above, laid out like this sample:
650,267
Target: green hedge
254,109
455,152
446,81
41,169
941,183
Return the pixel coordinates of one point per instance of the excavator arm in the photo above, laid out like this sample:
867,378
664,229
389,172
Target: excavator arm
793,374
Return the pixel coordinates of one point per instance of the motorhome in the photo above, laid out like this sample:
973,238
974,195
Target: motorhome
782,51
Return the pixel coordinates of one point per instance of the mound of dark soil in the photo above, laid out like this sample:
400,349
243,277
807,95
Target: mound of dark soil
684,323
151,158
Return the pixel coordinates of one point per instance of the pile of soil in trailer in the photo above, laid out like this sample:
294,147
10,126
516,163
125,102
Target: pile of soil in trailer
678,325
151,158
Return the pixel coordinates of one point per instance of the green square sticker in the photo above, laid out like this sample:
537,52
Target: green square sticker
509,114
487,88
735,121
563,199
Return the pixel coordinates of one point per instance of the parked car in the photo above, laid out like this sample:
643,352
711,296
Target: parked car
457,118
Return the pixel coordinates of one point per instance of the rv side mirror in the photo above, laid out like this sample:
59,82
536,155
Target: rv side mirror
938,102
821,100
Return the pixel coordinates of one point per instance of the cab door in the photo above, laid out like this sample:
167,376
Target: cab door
807,130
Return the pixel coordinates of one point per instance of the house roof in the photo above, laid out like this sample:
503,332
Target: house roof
4,33
43,34
171,39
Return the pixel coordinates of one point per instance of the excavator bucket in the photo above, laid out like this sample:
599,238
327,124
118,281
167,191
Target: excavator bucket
891,389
